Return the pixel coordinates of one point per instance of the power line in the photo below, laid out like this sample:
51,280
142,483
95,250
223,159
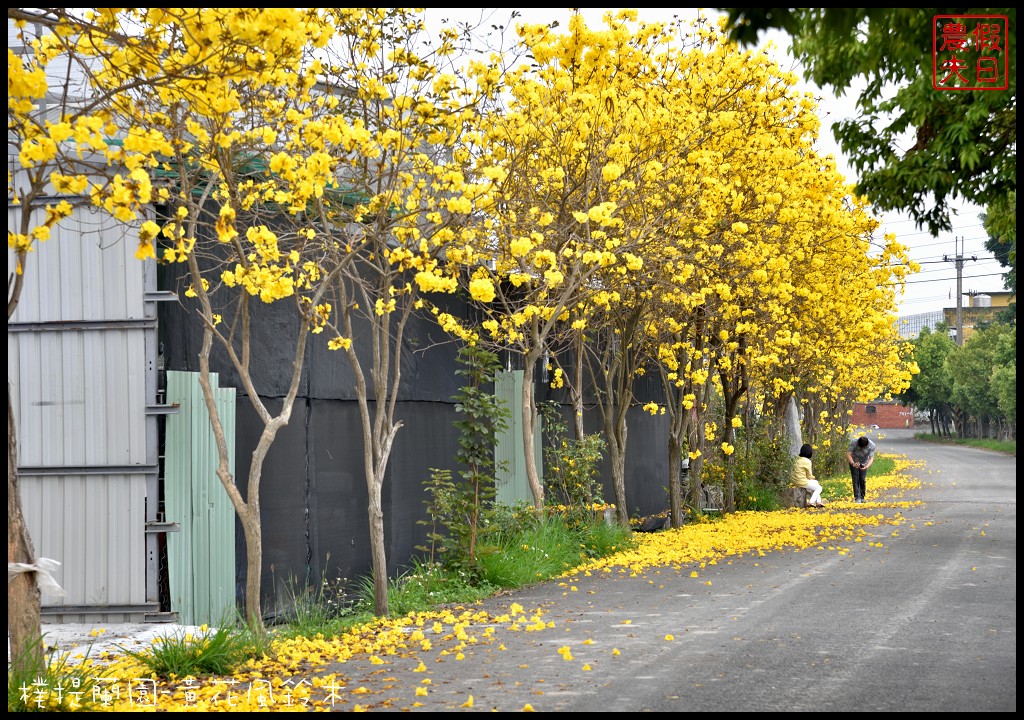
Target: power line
969,277
929,232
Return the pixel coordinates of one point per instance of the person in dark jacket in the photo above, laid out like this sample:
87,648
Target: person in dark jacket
860,455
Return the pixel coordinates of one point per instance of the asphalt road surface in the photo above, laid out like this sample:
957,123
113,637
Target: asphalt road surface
924,622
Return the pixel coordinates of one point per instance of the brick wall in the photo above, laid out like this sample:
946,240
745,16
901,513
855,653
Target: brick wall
884,415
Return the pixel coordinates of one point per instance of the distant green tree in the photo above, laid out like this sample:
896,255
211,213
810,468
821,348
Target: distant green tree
931,388
971,367
1004,379
915,148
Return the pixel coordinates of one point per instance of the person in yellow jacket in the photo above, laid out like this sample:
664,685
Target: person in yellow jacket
803,476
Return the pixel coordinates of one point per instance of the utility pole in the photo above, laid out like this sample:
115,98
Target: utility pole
959,259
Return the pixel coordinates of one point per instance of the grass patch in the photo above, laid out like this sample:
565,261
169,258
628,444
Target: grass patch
758,497
840,486
426,585
523,552
1004,446
547,548
322,610
210,652
602,539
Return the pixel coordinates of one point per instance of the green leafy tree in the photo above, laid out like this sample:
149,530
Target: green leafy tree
915,149
931,388
970,368
572,469
1000,222
1004,380
482,417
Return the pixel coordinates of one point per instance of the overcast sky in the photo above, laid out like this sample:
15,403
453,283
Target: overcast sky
931,289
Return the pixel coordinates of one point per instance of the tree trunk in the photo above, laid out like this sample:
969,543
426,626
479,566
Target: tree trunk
252,529
675,476
792,424
379,558
616,433
23,624
577,389
529,426
697,440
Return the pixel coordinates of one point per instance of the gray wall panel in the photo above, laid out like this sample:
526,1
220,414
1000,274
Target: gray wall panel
339,524
87,270
80,383
94,526
80,398
428,440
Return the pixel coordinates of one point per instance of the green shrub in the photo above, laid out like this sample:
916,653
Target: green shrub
509,520
761,472
753,495
571,469
460,510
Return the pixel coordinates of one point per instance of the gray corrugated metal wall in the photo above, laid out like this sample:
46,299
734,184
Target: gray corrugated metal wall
82,361
200,558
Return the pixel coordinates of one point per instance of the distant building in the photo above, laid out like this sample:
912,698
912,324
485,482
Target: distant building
980,308
910,326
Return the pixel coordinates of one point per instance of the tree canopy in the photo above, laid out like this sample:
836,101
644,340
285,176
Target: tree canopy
916,149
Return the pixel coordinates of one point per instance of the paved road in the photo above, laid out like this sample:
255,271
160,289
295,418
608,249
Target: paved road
926,622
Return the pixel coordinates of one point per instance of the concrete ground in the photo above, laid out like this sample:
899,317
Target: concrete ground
78,638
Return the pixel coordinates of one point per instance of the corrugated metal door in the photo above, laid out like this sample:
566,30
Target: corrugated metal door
201,558
512,485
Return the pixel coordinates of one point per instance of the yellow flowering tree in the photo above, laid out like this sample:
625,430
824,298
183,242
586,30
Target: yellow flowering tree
773,232
744,110
836,339
752,183
409,213
716,99
566,153
67,95
205,100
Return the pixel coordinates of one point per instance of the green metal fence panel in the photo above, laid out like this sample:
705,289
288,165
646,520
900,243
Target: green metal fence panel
201,558
512,485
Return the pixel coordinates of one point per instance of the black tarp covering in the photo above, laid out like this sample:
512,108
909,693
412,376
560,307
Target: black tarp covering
313,491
